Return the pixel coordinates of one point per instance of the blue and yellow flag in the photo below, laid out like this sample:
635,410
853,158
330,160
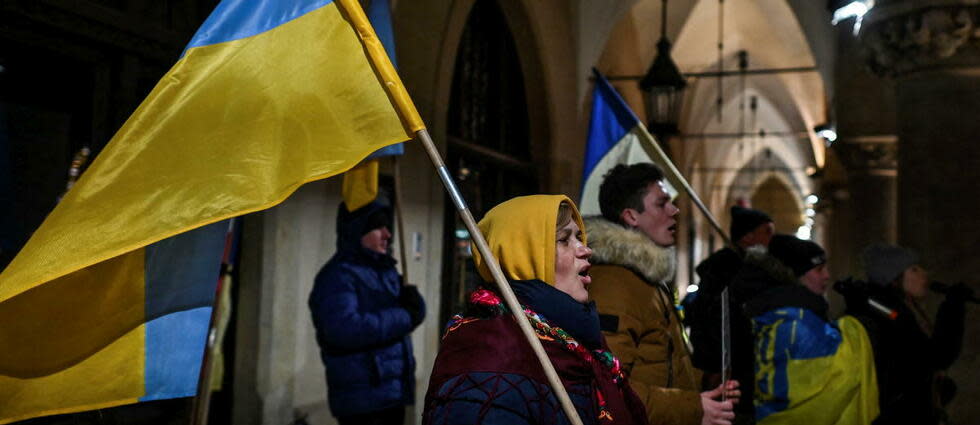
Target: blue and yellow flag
108,302
360,185
809,371
616,136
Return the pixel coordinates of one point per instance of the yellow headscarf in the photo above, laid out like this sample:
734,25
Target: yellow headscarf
521,234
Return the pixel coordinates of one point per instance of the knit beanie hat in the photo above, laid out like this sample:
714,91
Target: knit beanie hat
745,220
352,225
797,254
883,263
376,220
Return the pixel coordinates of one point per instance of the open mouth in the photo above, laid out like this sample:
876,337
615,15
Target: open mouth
673,228
584,275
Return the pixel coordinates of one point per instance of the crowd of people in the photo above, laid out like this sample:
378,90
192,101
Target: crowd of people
598,293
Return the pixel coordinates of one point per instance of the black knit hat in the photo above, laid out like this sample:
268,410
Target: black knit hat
376,220
797,254
352,225
745,220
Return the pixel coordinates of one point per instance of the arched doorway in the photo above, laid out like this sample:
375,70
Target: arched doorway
780,202
488,150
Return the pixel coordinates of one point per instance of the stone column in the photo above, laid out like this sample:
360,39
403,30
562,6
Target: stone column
872,167
931,48
864,198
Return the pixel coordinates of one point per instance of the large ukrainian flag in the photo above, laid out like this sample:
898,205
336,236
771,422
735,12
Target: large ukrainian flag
108,303
810,371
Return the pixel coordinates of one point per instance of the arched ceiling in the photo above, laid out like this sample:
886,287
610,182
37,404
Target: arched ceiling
790,104
769,31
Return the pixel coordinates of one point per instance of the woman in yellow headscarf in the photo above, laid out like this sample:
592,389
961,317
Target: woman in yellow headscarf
486,371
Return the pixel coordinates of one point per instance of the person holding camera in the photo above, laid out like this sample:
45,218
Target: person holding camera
364,315
911,349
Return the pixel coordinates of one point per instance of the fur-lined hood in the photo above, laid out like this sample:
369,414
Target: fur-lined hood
614,244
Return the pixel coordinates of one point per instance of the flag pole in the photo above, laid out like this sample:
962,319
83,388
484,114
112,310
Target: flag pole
659,154
512,304
400,223
389,79
202,401
726,355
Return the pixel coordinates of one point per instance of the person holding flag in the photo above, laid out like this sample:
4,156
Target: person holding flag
634,261
486,374
749,228
633,241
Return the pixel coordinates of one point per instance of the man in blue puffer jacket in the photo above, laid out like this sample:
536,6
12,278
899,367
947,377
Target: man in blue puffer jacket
363,316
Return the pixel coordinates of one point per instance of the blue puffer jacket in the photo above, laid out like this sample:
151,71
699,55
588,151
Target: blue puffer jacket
362,330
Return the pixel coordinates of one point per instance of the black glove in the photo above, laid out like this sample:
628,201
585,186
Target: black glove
410,299
959,292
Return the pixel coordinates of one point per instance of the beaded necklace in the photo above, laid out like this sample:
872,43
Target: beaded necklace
492,302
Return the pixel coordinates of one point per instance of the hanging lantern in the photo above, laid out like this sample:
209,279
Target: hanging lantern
663,87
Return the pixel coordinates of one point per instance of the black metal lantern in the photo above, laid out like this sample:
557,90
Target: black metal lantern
663,87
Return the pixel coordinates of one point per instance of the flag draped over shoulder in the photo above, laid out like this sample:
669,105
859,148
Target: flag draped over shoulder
616,136
813,372
108,302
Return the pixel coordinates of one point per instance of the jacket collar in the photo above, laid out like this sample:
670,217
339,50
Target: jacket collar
581,321
614,244
787,296
364,256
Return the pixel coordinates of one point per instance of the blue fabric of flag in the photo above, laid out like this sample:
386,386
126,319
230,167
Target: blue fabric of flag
181,280
379,13
237,19
170,372
611,120
809,370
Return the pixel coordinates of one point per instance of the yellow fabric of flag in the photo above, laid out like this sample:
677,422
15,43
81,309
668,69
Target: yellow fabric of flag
360,184
796,386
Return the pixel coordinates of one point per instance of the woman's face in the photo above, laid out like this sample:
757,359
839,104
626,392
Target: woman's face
915,281
572,262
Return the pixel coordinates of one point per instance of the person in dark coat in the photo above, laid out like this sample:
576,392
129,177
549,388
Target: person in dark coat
910,350
749,228
363,316
486,372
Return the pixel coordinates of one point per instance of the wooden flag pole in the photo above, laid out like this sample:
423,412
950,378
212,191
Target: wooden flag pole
498,276
202,401
658,153
400,222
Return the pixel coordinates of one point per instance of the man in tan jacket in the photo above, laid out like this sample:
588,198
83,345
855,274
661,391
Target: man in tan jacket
633,261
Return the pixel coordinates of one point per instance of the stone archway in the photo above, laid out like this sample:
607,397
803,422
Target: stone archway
789,105
780,202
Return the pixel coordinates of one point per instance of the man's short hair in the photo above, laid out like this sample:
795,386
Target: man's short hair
624,187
